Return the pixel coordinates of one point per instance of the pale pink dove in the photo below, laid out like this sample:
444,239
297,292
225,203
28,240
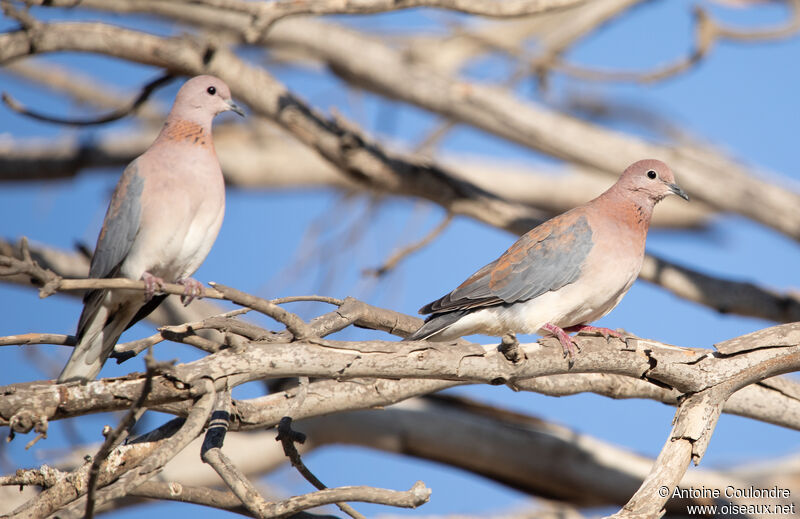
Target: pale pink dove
163,218
562,275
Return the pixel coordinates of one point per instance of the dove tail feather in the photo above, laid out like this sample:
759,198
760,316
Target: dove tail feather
99,332
435,324
78,369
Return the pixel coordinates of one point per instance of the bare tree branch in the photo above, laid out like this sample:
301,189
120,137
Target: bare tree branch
560,463
133,475
118,435
355,312
138,457
406,251
707,34
684,369
288,438
264,14
144,94
708,175
83,89
245,149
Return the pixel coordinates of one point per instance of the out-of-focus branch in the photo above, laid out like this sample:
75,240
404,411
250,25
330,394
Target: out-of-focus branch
406,251
80,87
258,156
117,114
725,296
560,463
558,37
553,33
262,15
708,33
333,139
707,175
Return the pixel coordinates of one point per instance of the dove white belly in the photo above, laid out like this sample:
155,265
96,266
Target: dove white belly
179,234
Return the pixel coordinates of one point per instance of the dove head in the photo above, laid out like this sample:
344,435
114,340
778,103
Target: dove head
649,179
201,98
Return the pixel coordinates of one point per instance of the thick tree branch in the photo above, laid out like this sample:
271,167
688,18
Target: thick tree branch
116,436
684,369
134,475
783,410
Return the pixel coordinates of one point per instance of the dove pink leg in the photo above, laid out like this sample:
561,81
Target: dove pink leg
191,289
605,332
565,340
151,284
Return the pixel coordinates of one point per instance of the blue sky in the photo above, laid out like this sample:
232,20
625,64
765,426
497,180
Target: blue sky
743,99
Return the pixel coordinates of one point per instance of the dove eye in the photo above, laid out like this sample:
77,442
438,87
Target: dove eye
651,174
211,90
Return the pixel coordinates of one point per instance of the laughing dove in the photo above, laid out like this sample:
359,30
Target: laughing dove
163,218
565,273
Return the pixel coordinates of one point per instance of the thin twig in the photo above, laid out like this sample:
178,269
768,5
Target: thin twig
118,435
426,146
144,94
38,338
24,18
320,299
707,34
293,323
287,436
127,350
410,249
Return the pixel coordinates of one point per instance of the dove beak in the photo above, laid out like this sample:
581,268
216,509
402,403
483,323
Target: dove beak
678,191
234,107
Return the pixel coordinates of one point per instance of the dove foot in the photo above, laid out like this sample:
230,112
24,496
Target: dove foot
192,289
566,341
605,332
510,349
151,285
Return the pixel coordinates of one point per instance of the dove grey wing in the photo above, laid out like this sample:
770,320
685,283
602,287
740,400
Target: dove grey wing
543,260
120,226
470,292
116,238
